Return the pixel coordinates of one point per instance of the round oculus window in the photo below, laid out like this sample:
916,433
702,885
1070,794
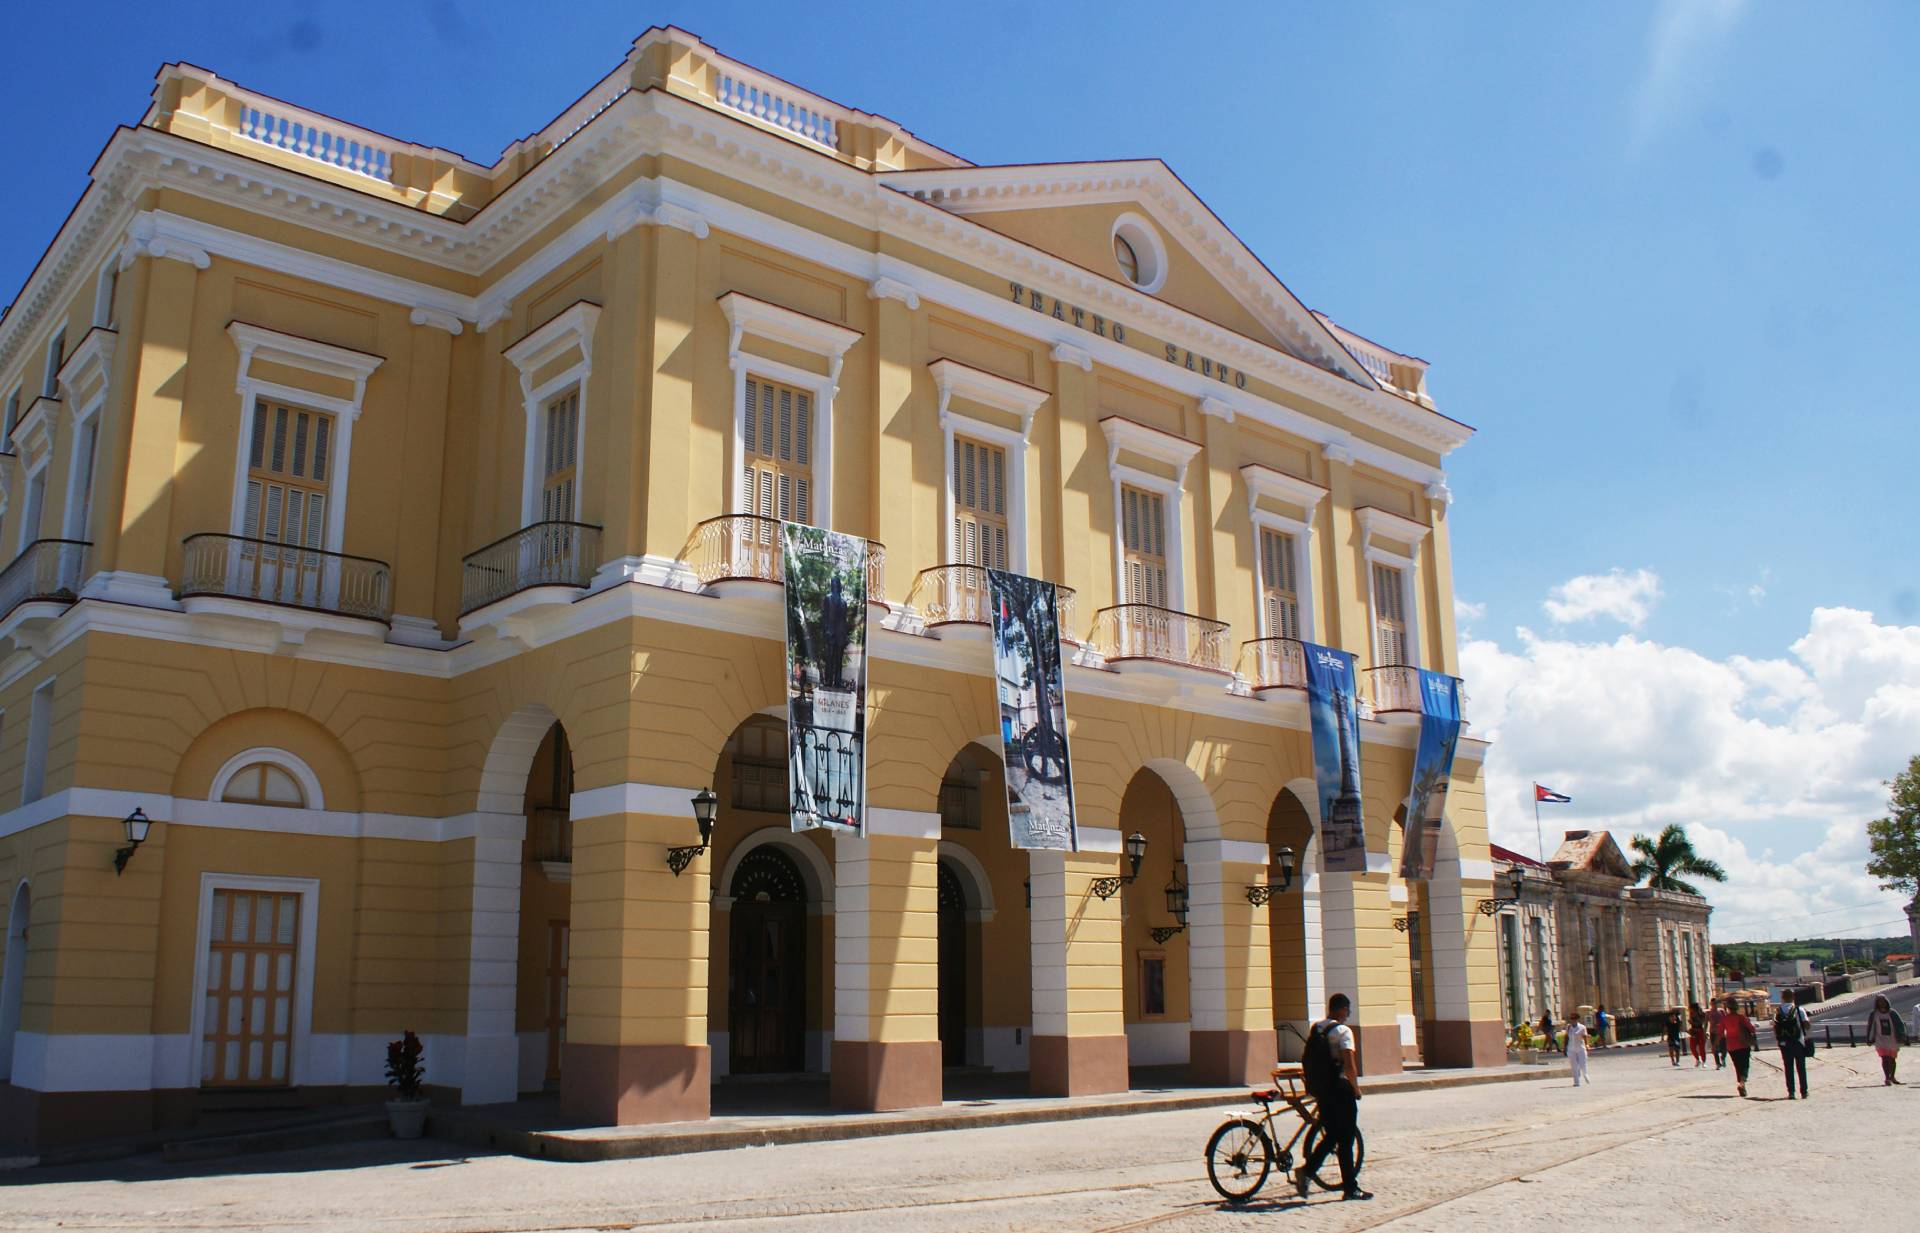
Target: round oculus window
1129,261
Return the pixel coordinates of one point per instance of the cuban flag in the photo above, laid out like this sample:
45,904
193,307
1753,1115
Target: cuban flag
1549,796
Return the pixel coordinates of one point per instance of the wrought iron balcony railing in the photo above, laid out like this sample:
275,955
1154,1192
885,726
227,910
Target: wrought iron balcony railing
746,547
46,569
1142,631
959,595
1273,663
546,554
236,567
1394,688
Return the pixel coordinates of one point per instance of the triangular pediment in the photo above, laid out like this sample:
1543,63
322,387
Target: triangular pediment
1186,257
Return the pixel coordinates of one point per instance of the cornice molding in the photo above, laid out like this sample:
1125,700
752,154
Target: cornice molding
749,316
952,378
85,373
893,289
1264,481
1137,438
1389,525
290,350
571,329
436,319
32,437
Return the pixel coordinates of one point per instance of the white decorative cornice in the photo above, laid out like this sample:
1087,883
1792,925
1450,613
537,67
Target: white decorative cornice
667,214
1438,492
1218,408
144,239
291,351
1275,485
893,289
953,378
437,319
1136,438
1067,353
748,316
84,375
572,329
32,437
1388,525
1340,451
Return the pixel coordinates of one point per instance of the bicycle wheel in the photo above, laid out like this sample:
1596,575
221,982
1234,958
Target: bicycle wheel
1239,1157
1330,1167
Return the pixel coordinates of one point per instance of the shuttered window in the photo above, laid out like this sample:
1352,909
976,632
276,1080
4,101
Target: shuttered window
89,448
1389,615
777,430
979,504
1279,585
289,469
559,457
1143,532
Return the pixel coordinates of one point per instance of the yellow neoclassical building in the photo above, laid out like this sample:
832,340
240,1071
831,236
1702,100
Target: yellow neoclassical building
390,540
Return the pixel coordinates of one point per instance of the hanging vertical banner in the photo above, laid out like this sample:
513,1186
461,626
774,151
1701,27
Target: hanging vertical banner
826,576
1336,759
1033,711
1426,804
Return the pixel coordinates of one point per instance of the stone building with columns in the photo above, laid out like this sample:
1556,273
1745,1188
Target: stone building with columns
389,538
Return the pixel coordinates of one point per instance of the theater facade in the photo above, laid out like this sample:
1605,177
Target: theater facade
390,559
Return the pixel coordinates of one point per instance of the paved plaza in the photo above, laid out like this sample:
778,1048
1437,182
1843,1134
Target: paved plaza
1646,1146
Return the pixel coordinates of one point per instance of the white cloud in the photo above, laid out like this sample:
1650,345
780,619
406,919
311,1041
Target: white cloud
1465,614
1684,34
1624,597
1774,766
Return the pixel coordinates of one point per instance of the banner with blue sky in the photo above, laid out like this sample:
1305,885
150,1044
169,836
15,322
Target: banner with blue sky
1335,717
1426,803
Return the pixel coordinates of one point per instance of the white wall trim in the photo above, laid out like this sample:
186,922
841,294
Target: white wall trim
1302,536
570,330
655,800
292,765
815,870
951,379
308,889
747,316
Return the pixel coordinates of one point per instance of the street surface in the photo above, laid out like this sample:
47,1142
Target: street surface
1855,1007
1646,1146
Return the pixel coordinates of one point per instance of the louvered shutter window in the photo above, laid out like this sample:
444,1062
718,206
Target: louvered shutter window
559,458
1279,585
979,504
89,449
1143,530
1389,615
777,429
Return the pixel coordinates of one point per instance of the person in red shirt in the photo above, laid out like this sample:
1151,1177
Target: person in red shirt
1717,1035
1740,1035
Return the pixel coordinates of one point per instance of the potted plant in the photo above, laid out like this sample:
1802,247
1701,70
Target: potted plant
407,1112
1525,1046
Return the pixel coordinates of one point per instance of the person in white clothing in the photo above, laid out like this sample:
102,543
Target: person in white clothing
1577,1050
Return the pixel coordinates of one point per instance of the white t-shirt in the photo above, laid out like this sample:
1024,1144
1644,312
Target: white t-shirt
1576,1035
1339,1038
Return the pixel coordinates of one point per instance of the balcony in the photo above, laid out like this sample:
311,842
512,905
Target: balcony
546,554
1160,635
1394,689
747,548
1273,663
40,584
263,571
959,595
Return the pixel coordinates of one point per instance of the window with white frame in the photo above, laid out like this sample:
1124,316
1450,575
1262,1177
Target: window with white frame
1282,542
56,353
1143,536
1390,544
979,503
1148,566
264,783
1389,615
777,439
560,458
86,450
985,502
104,292
36,502
289,465
782,447
13,418
1279,584
33,781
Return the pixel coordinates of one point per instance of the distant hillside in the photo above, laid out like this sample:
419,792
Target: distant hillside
1751,957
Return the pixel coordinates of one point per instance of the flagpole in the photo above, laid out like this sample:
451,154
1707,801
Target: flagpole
1538,840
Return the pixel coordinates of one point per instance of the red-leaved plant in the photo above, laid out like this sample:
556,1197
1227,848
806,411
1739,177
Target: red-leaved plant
404,1067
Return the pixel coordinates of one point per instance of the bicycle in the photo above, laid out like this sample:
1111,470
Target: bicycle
1242,1152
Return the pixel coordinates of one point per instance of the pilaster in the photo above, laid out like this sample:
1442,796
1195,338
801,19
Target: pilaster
1439,594
886,926
1347,598
897,513
417,558
1232,1039
668,376
1079,1036
1358,940
142,515
620,417
1075,494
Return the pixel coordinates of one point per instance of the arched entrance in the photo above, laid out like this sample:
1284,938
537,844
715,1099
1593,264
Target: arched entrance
1155,944
767,949
13,979
955,985
546,910
1293,926
984,1020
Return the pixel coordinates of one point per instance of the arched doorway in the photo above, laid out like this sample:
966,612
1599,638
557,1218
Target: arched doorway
1155,944
984,921
1293,926
13,979
955,985
767,964
546,910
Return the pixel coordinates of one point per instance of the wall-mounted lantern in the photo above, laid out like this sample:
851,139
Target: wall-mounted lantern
137,825
704,805
1107,888
1258,894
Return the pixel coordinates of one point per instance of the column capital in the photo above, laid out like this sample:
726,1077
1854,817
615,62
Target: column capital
436,318
884,288
1338,450
1067,353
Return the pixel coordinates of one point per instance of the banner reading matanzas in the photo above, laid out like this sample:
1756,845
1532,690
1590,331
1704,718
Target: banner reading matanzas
826,575
1033,711
1432,769
1336,759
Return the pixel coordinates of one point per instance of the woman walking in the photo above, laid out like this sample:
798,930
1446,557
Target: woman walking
1697,1033
1577,1050
1791,1029
1886,1034
1673,1037
1738,1034
1546,1028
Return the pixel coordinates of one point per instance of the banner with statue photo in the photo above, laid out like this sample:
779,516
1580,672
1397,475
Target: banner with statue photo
1031,685
1335,720
826,578
1426,803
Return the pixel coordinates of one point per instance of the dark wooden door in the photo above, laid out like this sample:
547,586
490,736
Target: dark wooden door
767,1002
953,969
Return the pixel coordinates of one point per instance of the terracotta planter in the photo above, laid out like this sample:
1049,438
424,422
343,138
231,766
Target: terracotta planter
407,1118
1525,1057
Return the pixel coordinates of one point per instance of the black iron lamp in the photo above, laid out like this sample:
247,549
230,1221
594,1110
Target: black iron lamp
137,825
1407,923
704,805
1258,894
1107,888
1516,880
1176,906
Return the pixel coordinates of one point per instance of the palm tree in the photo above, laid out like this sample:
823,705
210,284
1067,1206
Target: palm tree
1660,861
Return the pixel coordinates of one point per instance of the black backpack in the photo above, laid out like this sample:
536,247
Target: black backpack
1317,1070
1786,1025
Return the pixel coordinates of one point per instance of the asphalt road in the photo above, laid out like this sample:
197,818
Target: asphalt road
1904,999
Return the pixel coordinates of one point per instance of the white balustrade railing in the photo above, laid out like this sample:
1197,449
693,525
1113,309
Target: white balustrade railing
306,135
786,107
592,103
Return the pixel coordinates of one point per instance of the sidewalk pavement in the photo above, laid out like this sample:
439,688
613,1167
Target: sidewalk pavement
529,1128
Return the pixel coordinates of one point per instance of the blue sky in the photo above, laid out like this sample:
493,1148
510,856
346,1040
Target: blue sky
1660,254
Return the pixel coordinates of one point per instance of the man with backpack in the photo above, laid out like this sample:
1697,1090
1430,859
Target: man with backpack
1330,1068
1793,1032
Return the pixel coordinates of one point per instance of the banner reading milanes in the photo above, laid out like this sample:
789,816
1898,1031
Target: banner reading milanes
826,574
1432,769
1336,758
1033,711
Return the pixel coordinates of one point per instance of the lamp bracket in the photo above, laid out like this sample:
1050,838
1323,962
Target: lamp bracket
1107,888
1258,895
679,858
1490,907
1163,932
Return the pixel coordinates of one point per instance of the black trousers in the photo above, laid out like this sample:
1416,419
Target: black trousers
1339,1119
1794,1058
1740,1057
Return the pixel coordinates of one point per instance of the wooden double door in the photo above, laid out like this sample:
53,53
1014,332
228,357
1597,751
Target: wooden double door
767,970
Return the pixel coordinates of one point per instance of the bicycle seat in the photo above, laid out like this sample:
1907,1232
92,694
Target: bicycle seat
1264,1097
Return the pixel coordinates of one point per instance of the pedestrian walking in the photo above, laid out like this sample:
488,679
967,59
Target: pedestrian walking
1577,1050
1546,1030
1717,1034
1740,1035
1673,1037
1792,1031
1886,1034
1697,1033
1600,1026
1330,1068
